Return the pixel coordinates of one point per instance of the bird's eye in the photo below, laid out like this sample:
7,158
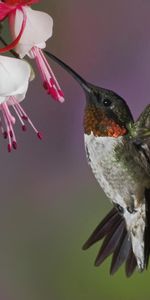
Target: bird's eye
120,209
107,102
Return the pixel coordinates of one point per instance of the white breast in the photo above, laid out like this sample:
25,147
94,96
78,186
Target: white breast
109,172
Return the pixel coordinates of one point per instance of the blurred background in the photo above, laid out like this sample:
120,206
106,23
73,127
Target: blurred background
49,199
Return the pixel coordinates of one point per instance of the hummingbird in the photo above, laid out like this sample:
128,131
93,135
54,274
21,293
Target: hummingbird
118,152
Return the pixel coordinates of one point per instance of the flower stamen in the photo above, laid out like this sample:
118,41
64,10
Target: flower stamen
9,121
50,82
24,117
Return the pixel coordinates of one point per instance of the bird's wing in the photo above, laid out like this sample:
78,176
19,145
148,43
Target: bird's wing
139,134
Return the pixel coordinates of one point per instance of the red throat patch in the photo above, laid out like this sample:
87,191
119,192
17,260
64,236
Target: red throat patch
97,122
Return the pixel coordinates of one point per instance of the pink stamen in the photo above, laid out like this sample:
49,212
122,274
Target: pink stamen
7,124
2,129
9,121
9,148
39,135
14,144
50,82
23,116
5,135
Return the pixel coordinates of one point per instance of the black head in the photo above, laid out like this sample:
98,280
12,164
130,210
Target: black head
110,103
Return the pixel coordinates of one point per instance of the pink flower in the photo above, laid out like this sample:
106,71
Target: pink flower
33,28
14,81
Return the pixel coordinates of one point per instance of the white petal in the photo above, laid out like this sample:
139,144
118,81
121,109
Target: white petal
14,76
38,29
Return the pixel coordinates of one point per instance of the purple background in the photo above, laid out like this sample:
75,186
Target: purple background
50,201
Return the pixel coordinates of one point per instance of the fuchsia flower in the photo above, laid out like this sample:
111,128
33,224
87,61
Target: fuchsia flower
14,80
31,29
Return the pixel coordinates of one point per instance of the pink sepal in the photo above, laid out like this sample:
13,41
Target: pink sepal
15,42
5,10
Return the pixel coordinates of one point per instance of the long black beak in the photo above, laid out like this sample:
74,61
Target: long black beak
76,76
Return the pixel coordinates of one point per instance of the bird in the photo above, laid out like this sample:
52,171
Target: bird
118,152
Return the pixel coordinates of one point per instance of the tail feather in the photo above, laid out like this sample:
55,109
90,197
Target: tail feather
121,252
130,263
116,242
109,244
103,228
